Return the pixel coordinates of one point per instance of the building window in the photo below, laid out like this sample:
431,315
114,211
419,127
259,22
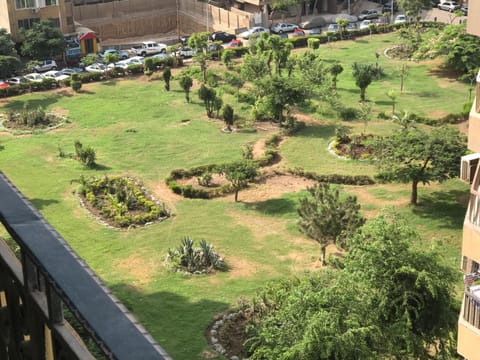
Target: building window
55,22
27,23
474,267
50,2
69,20
25,4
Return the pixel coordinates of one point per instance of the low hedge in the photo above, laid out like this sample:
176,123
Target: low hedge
333,178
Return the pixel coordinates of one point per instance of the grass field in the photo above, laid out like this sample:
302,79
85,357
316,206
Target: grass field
140,130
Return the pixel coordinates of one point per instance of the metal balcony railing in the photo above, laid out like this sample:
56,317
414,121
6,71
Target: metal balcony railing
471,306
49,278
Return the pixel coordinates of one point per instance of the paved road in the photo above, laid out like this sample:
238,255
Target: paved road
443,16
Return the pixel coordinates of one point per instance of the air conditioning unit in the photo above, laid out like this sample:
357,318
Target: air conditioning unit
468,167
35,10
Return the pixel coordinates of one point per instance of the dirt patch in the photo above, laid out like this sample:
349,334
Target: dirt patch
271,186
139,268
164,194
239,267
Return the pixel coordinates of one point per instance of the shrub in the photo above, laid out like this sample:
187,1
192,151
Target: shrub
313,43
347,113
334,178
193,259
85,155
121,200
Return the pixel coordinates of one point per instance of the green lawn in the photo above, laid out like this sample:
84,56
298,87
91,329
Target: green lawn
140,130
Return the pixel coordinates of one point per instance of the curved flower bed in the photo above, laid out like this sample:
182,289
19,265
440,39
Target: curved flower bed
27,121
121,201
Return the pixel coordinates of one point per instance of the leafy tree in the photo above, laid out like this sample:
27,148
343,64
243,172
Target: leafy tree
8,65
389,301
227,57
186,83
276,94
240,174
335,70
415,156
43,40
201,59
405,119
280,51
208,96
314,73
365,114
227,116
327,218
342,26
198,41
7,45
392,95
363,75
413,7
89,59
254,66
217,105
167,75
413,290
234,80
111,58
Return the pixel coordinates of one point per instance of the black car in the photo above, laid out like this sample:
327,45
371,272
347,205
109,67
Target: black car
184,39
222,36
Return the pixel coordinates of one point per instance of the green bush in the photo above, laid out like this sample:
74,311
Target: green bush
347,113
313,43
334,178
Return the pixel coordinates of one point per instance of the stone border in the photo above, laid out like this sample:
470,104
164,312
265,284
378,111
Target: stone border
28,132
214,332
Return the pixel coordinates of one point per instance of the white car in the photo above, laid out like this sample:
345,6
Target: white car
138,60
256,30
96,68
281,28
364,24
449,6
35,77
400,19
57,75
45,65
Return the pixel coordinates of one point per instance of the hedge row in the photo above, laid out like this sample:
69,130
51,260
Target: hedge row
333,178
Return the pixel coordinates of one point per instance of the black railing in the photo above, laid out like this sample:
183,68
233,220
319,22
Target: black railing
48,276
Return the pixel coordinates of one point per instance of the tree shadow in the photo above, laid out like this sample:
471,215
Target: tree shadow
178,323
383,102
42,203
17,104
110,82
99,167
273,207
447,207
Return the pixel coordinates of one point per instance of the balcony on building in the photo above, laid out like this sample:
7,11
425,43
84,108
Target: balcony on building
469,324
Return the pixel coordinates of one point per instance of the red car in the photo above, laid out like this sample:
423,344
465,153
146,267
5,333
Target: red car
3,84
234,44
298,32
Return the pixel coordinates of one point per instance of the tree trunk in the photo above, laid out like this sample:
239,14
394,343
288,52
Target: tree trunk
362,94
236,195
323,250
413,198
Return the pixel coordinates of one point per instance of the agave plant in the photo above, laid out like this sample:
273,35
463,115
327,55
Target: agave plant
192,259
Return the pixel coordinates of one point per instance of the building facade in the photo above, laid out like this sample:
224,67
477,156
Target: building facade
16,15
469,319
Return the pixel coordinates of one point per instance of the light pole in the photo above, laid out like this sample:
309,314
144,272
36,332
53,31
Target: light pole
349,7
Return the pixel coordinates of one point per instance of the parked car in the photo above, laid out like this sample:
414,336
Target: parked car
35,77
96,68
333,28
160,56
400,19
464,10
368,14
70,71
281,28
184,39
316,22
233,44
119,64
351,26
222,36
46,65
387,6
364,24
3,84
138,60
149,48
298,32
121,54
449,6
380,21
315,31
185,52
254,31
17,80
57,75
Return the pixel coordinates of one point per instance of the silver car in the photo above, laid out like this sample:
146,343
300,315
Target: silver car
254,31
281,28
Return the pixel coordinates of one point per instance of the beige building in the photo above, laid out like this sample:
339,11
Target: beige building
469,319
21,14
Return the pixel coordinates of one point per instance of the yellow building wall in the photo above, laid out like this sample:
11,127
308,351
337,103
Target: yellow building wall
474,128
468,343
473,25
4,16
471,242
